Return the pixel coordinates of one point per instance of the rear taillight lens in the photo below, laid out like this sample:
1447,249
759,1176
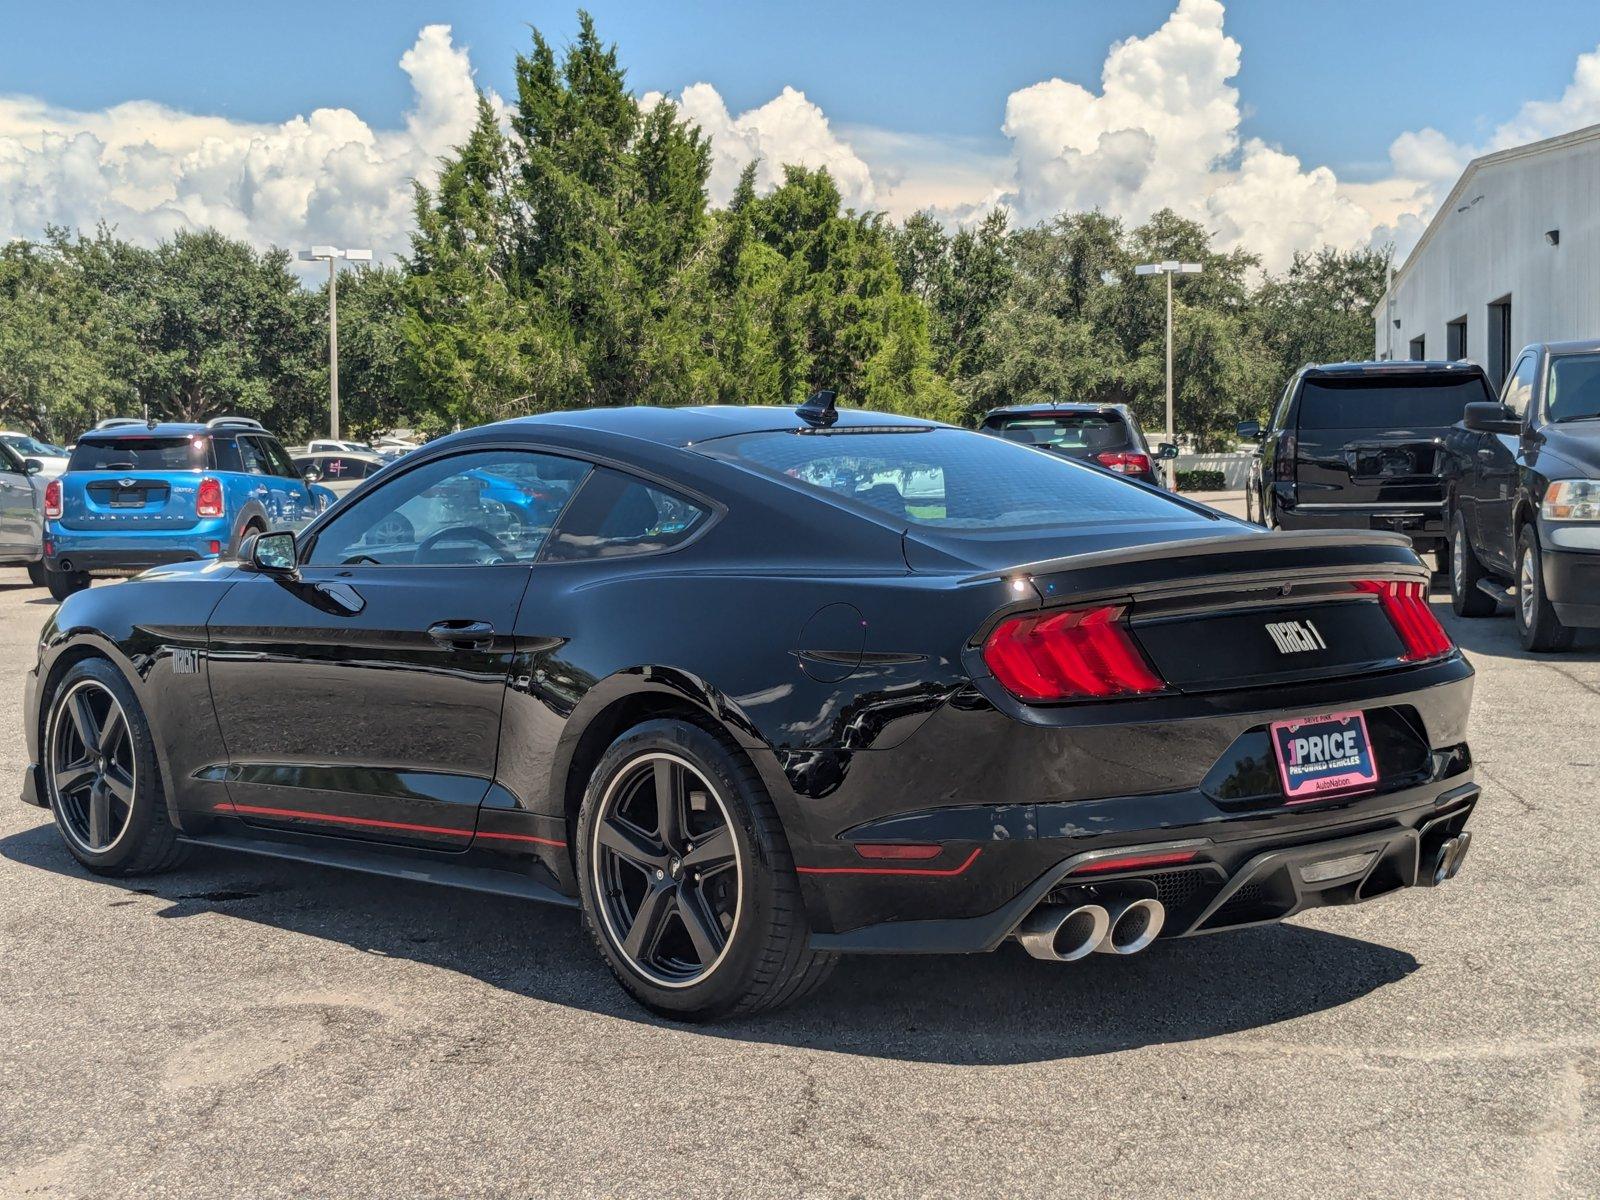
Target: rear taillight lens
52,499
1124,463
1406,606
208,500
1075,655
1283,459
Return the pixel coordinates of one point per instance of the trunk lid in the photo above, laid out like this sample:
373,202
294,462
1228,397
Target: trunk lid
128,502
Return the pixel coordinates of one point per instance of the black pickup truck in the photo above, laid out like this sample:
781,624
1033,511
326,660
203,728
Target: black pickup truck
1359,445
1522,497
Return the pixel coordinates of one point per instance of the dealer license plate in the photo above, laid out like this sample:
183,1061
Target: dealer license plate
1323,756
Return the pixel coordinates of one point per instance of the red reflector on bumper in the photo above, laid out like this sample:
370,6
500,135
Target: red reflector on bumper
1134,862
899,853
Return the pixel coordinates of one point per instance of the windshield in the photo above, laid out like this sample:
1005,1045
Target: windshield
1425,403
142,453
1574,388
947,478
1064,431
23,444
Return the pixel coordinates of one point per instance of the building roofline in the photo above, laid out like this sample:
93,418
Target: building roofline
1562,141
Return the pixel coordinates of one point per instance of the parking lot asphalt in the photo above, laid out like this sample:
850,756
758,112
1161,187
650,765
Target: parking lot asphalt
245,1027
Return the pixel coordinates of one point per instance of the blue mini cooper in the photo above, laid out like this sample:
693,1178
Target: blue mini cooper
138,494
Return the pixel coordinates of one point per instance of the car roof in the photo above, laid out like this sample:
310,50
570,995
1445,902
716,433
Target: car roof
690,424
1581,346
1045,407
1394,366
168,429
358,454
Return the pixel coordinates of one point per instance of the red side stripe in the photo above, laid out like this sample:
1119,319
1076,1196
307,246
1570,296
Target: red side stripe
946,872
257,810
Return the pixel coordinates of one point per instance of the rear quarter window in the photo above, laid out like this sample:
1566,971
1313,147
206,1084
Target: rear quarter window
614,515
947,478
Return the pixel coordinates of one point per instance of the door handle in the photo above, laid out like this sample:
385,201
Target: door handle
462,635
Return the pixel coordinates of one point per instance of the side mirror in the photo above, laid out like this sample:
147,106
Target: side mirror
1248,431
1166,451
311,475
1490,416
272,553
32,466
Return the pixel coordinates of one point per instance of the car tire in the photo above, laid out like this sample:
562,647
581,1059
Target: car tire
244,531
38,574
1537,624
107,798
1467,599
66,583
641,887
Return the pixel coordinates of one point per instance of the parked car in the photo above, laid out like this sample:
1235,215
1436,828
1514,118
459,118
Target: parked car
137,494
1105,434
1523,497
22,484
392,447
339,471
1358,446
336,446
750,706
52,459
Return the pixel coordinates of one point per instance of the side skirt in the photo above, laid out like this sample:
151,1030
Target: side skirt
456,875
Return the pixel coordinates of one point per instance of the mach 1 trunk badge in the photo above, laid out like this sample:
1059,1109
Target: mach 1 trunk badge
1295,637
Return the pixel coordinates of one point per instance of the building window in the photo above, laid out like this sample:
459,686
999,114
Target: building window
1419,348
1455,339
1499,340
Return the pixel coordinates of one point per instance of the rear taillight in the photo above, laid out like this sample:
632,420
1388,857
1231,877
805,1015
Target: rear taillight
1283,459
208,500
52,499
1406,606
1075,655
1124,463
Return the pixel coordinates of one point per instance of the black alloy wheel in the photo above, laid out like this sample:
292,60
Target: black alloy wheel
93,770
667,870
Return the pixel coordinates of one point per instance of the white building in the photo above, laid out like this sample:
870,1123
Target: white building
1511,257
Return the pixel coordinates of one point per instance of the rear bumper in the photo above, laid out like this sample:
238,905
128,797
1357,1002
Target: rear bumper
1226,884
124,553
1572,581
1423,522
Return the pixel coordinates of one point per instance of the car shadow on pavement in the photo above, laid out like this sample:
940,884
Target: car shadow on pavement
990,1009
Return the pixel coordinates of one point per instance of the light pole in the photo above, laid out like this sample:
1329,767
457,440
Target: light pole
1169,268
333,254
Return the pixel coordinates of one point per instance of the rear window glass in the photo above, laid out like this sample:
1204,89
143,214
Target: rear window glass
1064,431
1368,404
142,453
948,478
1574,388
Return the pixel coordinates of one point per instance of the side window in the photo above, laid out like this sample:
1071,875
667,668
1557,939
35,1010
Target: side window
282,464
615,515
1519,385
1281,413
253,457
10,461
486,507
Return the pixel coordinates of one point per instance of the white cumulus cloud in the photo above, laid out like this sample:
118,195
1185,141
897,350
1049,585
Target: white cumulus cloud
147,169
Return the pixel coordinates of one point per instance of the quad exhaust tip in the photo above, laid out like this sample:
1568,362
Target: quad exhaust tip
1447,859
1134,924
1064,932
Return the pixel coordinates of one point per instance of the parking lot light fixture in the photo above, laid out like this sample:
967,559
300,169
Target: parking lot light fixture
1169,268
331,255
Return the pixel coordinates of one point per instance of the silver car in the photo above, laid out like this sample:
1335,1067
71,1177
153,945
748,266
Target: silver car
22,487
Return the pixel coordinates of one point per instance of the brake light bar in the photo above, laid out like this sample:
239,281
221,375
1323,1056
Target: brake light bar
1134,862
1078,654
208,500
1406,606
1124,462
52,500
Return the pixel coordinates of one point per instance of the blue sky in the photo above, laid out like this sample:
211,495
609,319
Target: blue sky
1333,82
1282,125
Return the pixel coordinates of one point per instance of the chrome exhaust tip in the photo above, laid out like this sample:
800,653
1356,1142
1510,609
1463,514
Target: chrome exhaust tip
1063,932
1447,858
1133,925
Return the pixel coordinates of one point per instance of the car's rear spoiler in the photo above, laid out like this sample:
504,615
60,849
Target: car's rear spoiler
1220,544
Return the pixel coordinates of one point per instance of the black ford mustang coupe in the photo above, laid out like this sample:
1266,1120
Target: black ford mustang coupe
758,687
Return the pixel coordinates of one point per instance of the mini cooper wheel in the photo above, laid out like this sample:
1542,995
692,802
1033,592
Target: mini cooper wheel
101,777
65,583
687,883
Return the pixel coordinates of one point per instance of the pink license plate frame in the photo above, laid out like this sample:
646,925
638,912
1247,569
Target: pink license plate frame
1317,757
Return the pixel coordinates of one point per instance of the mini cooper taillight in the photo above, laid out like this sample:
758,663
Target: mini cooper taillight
1124,462
1079,654
208,500
1406,606
52,499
